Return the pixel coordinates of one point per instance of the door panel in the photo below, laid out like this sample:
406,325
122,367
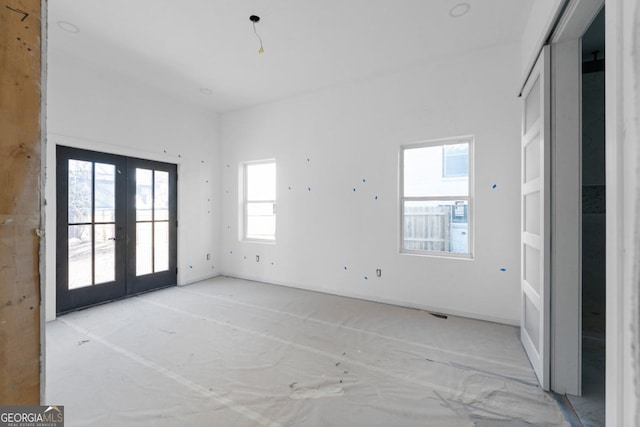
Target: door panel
152,230
535,228
116,227
91,228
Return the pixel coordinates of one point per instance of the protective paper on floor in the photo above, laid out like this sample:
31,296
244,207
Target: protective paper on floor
228,352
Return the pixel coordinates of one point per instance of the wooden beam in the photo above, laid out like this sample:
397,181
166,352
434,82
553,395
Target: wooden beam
20,201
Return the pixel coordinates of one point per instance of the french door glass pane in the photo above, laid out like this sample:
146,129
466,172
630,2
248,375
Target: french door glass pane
144,256
80,249
144,194
80,183
105,253
161,246
105,193
161,195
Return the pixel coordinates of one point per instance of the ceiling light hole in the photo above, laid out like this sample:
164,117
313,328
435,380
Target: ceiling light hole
206,91
459,10
254,20
68,27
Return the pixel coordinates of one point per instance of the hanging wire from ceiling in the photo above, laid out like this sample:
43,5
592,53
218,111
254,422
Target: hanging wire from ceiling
255,19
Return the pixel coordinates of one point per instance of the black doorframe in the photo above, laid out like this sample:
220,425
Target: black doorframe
126,281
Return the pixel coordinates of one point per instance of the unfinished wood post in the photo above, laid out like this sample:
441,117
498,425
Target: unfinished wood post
20,201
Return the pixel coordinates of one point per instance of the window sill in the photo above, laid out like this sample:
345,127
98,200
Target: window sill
263,241
465,257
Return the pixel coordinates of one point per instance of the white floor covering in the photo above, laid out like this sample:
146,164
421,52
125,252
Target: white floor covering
228,352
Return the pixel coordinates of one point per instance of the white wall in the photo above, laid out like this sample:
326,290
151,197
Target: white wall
332,140
93,108
622,71
536,31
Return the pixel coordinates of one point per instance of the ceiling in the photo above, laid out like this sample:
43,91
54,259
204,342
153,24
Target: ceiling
186,46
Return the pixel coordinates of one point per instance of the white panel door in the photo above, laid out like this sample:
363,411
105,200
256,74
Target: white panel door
535,305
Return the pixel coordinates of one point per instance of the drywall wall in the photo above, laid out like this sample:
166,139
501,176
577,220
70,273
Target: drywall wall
337,186
20,202
622,106
542,16
98,109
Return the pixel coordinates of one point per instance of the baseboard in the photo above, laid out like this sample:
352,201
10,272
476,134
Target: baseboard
390,301
200,279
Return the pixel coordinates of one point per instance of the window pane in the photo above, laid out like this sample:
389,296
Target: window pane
80,182
161,246
436,225
424,172
144,195
79,256
261,221
161,195
105,192
105,257
143,249
261,181
456,160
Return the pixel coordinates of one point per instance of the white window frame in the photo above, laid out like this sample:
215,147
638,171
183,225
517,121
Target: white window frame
469,199
245,201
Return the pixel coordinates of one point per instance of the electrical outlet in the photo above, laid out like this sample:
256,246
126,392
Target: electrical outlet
208,257
379,272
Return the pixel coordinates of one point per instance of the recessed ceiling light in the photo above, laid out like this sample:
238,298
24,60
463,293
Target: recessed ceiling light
68,27
206,91
459,10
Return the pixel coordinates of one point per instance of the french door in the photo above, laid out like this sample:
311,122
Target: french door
116,227
535,191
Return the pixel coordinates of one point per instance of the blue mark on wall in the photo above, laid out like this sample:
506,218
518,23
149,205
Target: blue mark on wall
503,269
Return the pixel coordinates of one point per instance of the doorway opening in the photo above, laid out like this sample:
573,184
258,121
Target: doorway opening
116,227
591,405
